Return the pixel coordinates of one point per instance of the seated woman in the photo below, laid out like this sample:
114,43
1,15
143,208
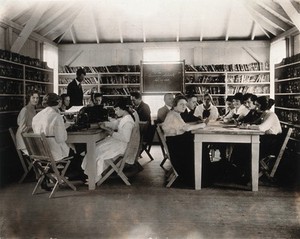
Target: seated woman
25,118
207,110
65,102
180,141
239,111
119,135
253,115
50,122
270,124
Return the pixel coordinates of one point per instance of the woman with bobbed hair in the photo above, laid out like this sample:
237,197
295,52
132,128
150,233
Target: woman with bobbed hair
65,102
207,110
119,131
180,141
25,117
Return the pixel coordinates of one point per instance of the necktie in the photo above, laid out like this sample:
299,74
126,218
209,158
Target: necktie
79,85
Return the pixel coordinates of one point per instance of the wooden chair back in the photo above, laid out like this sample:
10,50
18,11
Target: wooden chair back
25,162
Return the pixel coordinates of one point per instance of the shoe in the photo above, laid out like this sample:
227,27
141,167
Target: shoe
45,186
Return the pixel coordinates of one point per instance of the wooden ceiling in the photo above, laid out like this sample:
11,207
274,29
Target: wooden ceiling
121,21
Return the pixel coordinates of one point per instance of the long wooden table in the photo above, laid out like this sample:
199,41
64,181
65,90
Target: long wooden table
219,133
89,137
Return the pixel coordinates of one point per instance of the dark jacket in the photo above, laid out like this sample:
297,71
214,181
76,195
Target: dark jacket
188,116
144,112
76,94
162,113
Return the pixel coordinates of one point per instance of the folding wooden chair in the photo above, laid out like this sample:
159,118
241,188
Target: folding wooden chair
172,174
147,135
117,163
26,162
40,154
267,165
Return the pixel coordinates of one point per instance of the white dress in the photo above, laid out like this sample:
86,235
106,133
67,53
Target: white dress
111,146
214,113
50,122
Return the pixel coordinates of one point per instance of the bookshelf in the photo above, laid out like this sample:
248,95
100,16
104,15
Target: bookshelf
287,94
113,81
17,78
225,80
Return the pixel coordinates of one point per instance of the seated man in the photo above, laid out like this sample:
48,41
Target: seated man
188,114
163,111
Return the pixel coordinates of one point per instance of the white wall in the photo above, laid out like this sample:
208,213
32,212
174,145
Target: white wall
196,53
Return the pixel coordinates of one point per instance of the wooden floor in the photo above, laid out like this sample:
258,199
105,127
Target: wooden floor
149,210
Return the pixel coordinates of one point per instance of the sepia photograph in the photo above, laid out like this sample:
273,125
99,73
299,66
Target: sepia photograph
149,119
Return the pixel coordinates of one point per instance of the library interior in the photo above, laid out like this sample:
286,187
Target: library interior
150,119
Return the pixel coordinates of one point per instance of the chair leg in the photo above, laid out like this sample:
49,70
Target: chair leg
163,162
105,177
124,178
38,184
54,189
24,175
171,180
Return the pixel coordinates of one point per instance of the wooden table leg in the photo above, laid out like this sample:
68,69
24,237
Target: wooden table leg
198,161
255,161
91,163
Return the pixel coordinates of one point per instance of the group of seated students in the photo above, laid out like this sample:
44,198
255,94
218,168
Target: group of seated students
179,116
245,111
52,123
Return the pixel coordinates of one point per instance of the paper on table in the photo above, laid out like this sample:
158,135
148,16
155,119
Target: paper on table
74,109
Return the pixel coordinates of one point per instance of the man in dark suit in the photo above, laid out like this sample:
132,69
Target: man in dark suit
141,107
163,111
188,114
74,89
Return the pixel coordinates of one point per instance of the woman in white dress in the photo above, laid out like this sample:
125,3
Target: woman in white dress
239,111
207,110
116,143
25,118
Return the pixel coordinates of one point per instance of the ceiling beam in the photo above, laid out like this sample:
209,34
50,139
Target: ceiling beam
276,11
7,23
262,22
120,32
59,21
95,24
291,11
228,22
263,12
64,30
253,29
252,54
296,5
28,29
144,31
72,32
290,32
73,57
52,15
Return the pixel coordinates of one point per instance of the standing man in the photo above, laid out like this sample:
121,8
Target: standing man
74,89
188,114
163,111
141,107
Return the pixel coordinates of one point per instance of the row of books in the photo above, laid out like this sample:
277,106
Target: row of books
118,91
18,58
102,69
292,117
11,87
87,80
289,60
120,79
41,88
248,78
205,89
11,104
205,79
255,66
248,89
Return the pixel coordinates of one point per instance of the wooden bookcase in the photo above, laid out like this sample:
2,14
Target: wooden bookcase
287,94
224,80
113,85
